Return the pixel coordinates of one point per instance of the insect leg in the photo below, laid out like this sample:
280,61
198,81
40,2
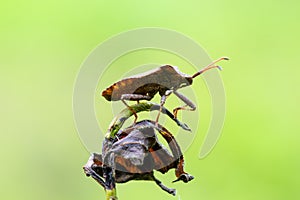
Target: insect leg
90,172
136,97
184,177
163,187
167,112
162,102
176,151
188,103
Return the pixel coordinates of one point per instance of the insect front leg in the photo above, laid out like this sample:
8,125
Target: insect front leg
133,97
88,170
188,103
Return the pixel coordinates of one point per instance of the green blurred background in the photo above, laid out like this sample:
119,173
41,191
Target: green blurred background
43,43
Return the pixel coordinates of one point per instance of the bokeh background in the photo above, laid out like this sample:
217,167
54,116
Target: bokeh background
43,44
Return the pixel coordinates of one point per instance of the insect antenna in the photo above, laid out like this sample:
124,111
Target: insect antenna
210,66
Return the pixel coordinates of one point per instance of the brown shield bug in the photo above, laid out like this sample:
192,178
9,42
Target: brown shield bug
134,155
163,80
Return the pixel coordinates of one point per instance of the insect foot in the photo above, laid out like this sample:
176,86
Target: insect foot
184,177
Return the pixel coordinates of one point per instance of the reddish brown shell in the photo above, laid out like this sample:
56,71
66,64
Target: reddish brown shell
148,83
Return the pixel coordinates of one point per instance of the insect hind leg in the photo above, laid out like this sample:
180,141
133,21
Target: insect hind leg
163,187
